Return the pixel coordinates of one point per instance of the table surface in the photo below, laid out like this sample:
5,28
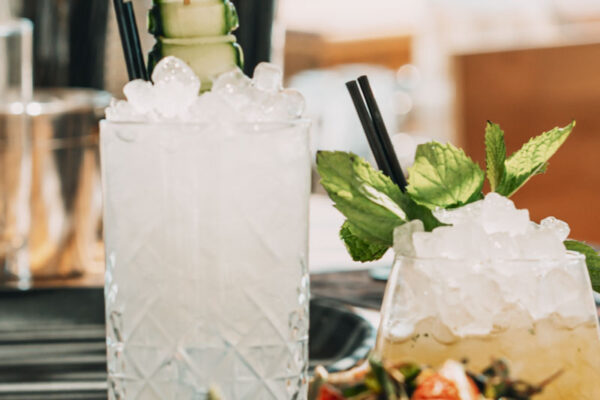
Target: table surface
52,337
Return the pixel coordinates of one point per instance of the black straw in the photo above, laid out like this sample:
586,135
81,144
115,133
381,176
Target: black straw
130,40
140,66
397,174
127,52
369,128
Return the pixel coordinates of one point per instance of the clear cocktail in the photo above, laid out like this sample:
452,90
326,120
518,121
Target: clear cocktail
206,244
455,296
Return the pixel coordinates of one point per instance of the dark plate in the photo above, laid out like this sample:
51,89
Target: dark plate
52,343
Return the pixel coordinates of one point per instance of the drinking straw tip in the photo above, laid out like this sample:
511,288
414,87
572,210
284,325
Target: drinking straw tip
381,140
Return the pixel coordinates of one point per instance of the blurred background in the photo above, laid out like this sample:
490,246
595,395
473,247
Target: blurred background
440,69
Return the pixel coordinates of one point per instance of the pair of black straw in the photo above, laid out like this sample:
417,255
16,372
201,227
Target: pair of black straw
375,130
130,39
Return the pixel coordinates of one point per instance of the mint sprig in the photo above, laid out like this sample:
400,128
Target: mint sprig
592,260
531,159
441,176
371,202
360,250
444,176
364,195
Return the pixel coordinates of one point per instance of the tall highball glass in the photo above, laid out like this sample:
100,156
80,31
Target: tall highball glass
207,285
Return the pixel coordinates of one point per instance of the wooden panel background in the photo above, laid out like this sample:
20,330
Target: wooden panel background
305,50
529,91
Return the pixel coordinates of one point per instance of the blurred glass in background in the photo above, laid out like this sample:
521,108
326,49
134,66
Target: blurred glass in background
15,152
61,195
66,199
69,41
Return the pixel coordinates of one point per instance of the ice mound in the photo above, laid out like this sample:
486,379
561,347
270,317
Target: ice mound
492,228
489,270
172,96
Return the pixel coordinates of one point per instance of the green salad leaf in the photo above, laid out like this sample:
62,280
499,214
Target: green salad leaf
443,176
495,154
592,259
531,159
360,250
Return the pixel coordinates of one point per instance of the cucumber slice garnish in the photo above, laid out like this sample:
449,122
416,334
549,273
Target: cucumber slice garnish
197,32
208,56
202,18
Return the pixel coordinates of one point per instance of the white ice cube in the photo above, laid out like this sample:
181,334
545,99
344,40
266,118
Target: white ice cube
176,86
140,95
171,69
541,244
267,77
559,228
234,87
424,244
281,106
262,106
463,241
469,213
442,333
121,110
173,99
503,246
447,243
291,104
232,82
210,107
403,237
499,214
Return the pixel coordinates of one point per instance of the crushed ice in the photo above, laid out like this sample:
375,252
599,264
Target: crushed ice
492,228
234,97
499,270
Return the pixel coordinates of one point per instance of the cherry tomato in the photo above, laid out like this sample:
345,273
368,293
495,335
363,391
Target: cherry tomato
436,387
327,392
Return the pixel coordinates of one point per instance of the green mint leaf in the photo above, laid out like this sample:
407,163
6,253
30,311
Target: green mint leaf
372,203
416,211
443,176
359,249
532,159
592,259
365,196
495,154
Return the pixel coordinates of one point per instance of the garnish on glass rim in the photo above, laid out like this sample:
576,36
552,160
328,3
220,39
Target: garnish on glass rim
442,176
